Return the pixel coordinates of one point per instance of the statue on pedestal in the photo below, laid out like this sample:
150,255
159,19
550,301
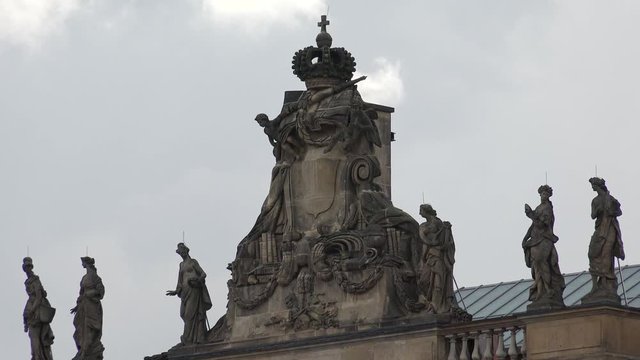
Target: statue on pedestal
541,256
605,246
435,279
88,314
194,298
38,315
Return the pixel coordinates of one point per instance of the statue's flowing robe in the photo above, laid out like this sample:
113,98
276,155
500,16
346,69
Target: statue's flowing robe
37,317
541,255
195,301
606,242
88,318
436,271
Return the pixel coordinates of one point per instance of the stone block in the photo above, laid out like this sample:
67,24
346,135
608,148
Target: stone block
585,333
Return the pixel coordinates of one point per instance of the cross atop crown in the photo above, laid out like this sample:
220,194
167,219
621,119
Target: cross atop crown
323,23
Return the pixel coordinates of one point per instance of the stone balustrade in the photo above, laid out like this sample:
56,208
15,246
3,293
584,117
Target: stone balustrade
503,339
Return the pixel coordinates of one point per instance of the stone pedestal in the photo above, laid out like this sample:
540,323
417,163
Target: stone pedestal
594,333
545,305
602,298
584,333
408,342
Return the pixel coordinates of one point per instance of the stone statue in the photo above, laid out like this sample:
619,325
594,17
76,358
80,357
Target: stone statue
194,298
37,315
435,279
606,244
541,256
88,314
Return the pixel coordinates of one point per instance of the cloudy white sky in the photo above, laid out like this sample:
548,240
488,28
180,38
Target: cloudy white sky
125,122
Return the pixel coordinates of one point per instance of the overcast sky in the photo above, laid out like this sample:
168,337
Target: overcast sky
125,122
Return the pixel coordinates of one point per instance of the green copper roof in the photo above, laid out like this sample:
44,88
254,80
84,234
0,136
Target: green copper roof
507,298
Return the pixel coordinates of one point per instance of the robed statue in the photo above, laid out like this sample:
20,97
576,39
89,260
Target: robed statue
605,246
88,315
435,278
541,256
37,315
194,298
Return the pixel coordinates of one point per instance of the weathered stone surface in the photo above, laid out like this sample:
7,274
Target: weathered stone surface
435,266
194,298
605,246
570,333
585,333
328,249
38,315
329,253
394,342
541,256
88,314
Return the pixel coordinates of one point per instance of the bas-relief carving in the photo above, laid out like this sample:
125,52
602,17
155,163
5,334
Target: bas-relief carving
541,255
194,298
606,245
88,315
38,315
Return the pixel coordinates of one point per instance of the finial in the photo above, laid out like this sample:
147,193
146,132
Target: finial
323,23
323,39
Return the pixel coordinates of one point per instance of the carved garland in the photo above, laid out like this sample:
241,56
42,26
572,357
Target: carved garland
406,301
360,287
260,298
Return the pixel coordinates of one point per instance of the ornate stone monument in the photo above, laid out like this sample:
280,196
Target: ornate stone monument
38,315
541,256
605,246
88,314
329,253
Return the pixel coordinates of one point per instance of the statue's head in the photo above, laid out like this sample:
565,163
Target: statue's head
182,249
88,262
427,209
262,119
545,191
597,182
27,264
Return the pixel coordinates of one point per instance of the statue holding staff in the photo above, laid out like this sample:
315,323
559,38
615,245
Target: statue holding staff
605,246
194,298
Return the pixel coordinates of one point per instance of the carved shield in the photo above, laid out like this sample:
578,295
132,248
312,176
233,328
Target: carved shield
314,191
